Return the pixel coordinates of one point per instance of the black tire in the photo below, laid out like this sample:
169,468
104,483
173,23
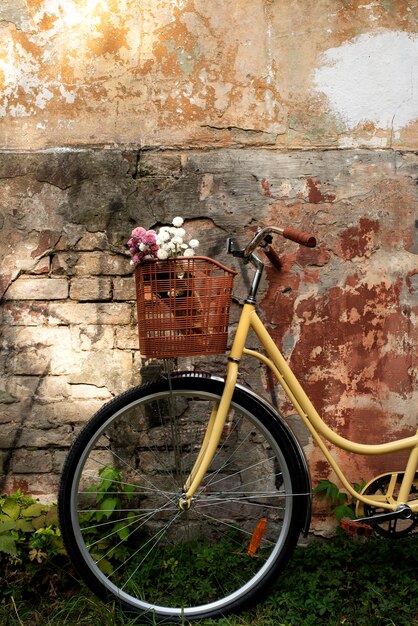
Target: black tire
119,501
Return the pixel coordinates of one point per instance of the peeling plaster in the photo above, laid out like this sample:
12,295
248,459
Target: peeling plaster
372,78
174,72
16,13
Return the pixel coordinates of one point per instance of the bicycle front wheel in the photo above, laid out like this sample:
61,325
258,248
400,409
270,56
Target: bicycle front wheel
120,491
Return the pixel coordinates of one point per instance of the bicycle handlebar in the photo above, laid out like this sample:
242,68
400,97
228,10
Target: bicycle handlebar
263,239
305,239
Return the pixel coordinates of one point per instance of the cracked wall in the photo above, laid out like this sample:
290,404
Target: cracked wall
302,73
114,114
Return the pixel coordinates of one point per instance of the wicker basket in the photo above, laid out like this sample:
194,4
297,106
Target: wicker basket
183,306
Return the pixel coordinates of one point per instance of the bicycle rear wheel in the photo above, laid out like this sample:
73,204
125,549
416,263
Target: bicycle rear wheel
119,501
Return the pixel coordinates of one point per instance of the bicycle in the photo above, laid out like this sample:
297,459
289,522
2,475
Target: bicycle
184,499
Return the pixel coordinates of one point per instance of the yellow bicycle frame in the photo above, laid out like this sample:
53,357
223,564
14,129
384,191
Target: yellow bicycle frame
303,406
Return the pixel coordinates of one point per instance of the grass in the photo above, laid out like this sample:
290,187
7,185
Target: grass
339,582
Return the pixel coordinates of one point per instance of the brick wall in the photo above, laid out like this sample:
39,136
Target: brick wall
125,113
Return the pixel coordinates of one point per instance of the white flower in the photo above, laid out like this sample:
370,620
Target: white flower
188,252
193,243
163,236
180,232
177,241
178,221
162,254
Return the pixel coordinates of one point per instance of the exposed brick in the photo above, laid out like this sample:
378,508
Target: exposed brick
39,337
93,241
43,486
126,338
102,264
33,351
30,361
69,411
63,263
124,288
31,462
107,368
12,413
92,337
89,392
88,289
4,455
20,437
21,313
52,388
90,313
20,387
37,289
58,459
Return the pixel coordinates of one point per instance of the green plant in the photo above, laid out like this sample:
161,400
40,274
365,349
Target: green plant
331,583
109,494
342,505
30,545
28,529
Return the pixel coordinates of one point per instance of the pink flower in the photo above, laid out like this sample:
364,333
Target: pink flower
138,232
149,237
137,258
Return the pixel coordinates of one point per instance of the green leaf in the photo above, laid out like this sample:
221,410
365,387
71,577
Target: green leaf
34,510
128,490
359,486
122,529
5,526
343,511
108,476
341,498
105,566
332,492
52,517
8,545
108,506
39,522
321,486
25,525
11,508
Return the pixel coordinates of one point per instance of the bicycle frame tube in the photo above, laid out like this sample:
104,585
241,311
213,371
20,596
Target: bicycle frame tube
303,406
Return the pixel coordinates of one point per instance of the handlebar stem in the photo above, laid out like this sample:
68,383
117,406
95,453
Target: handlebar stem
259,265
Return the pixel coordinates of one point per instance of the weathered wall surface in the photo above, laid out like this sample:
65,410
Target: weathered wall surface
117,113
192,72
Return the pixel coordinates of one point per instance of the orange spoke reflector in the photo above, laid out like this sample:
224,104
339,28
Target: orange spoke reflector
257,536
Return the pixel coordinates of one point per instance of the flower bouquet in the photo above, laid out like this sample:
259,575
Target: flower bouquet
168,242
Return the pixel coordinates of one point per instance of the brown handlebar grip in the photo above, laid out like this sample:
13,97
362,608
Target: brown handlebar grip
305,239
273,257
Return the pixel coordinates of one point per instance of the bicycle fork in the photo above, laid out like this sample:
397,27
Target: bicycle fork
211,439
